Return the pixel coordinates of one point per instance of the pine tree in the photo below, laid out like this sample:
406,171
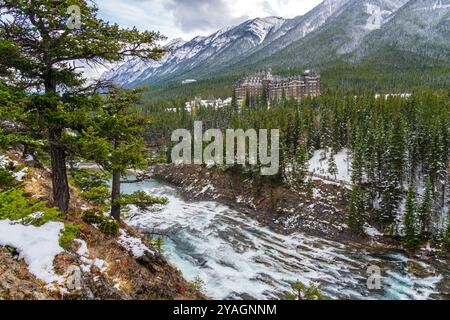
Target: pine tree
332,167
264,98
447,236
358,159
38,42
357,211
247,100
392,191
299,165
411,237
114,140
234,103
425,210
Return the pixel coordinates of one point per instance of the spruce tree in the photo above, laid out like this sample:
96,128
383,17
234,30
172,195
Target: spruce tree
357,211
425,210
39,43
114,140
392,190
332,167
411,237
234,103
247,101
358,159
299,166
447,236
264,97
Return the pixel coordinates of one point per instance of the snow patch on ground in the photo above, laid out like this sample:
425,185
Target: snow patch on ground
83,252
208,187
38,246
371,231
133,244
318,165
19,175
376,19
4,160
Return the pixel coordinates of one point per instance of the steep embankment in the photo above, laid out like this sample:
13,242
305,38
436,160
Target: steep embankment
92,264
318,208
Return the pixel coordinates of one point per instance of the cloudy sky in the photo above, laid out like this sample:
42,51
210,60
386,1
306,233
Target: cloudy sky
189,18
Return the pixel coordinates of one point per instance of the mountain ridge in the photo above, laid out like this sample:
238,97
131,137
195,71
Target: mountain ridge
352,30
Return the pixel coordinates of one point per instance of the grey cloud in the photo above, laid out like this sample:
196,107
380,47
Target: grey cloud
202,15
269,8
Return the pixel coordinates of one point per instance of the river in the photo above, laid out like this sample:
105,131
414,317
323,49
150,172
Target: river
238,258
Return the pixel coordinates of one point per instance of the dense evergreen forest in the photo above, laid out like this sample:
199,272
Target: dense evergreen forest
396,144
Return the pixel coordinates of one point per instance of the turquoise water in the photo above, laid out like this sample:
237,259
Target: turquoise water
236,257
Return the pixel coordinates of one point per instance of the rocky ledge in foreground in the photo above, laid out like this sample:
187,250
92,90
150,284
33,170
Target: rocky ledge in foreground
94,265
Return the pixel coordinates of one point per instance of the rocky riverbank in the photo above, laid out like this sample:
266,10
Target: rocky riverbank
92,266
318,209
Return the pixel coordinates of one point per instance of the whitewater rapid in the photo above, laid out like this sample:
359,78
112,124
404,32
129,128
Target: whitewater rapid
238,258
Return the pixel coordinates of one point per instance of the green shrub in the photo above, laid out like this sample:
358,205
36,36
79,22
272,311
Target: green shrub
5,141
301,292
92,217
68,234
197,285
6,179
15,206
107,225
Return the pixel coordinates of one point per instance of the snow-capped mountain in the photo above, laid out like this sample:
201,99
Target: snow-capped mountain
225,47
420,26
133,68
222,46
333,29
343,33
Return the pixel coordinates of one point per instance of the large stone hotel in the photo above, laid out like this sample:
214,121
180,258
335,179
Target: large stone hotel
263,82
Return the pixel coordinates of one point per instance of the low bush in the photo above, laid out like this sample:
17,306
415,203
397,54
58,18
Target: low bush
107,225
68,234
14,205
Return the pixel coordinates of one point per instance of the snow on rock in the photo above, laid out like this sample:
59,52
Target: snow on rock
83,252
318,165
83,249
133,244
4,160
376,19
38,246
19,175
371,231
208,187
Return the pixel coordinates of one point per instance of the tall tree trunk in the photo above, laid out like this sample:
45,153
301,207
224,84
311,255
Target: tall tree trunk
61,195
115,195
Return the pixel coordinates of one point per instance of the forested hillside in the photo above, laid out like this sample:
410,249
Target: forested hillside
394,143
